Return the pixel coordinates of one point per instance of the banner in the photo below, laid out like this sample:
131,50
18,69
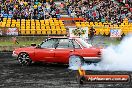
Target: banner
115,33
78,32
12,31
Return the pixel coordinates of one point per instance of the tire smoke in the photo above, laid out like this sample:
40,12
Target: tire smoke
115,58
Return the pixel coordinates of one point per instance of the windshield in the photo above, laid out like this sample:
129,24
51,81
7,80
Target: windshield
84,43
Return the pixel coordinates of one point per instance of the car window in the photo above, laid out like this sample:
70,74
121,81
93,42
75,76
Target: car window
84,43
65,43
49,43
76,45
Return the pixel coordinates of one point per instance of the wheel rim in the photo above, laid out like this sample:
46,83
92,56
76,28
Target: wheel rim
24,59
75,61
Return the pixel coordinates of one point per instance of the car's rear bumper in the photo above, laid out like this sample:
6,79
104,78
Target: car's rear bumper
92,59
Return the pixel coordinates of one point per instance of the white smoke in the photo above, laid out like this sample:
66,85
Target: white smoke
114,58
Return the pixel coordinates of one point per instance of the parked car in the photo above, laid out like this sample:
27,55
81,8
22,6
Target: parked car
72,51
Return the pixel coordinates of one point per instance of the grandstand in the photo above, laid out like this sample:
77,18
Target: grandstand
36,27
40,18
104,28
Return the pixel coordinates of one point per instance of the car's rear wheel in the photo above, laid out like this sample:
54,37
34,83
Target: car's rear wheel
24,59
75,61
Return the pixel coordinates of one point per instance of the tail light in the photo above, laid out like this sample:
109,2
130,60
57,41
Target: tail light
99,54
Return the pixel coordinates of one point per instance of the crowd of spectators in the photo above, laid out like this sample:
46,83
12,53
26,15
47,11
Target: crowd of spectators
92,10
29,9
99,10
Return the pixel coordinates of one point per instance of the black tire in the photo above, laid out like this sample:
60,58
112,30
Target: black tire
75,61
24,59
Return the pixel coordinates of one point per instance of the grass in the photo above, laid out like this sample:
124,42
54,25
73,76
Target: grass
114,42
23,40
29,42
10,46
21,43
105,42
6,44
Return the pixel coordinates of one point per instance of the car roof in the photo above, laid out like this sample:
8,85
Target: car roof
61,37
57,37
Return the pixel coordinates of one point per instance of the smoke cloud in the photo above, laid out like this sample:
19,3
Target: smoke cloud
114,58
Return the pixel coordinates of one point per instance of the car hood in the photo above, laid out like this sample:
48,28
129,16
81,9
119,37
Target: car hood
24,49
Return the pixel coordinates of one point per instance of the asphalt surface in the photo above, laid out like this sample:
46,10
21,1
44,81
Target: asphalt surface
40,75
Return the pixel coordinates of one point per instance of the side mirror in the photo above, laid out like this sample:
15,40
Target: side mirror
38,46
33,44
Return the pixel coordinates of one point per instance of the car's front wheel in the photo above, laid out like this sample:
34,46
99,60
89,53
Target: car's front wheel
75,61
24,59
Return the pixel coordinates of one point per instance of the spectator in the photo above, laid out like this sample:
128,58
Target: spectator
92,10
101,10
92,33
24,9
15,40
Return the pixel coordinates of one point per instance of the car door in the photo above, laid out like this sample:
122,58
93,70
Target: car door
63,50
46,51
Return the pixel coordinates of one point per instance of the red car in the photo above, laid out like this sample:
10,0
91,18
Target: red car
72,51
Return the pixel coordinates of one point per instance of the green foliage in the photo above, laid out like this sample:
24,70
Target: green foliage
78,32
